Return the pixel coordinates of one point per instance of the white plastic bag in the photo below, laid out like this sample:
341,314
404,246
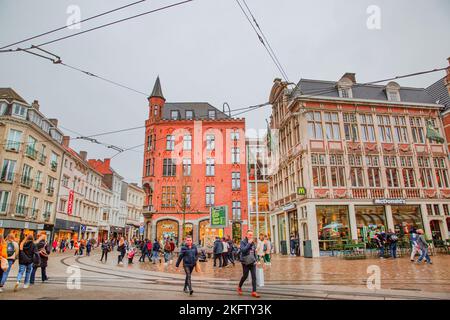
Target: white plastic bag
259,277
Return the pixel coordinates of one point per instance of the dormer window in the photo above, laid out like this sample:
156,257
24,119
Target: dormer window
174,115
19,111
211,114
345,93
189,114
3,107
393,91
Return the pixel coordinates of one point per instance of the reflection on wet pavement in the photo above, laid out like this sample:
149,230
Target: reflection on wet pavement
395,274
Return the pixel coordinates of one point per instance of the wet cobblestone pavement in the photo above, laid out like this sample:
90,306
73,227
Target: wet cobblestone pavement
398,273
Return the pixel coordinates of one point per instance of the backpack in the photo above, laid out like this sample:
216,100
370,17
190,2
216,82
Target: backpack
167,246
10,250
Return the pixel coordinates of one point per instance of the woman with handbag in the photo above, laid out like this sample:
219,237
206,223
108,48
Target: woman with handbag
3,258
27,250
43,250
249,261
122,249
189,255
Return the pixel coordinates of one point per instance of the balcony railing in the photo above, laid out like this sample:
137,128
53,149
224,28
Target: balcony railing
413,193
21,211
31,152
395,193
46,216
359,193
50,191
377,193
11,145
7,177
34,213
4,208
54,165
26,182
38,186
42,158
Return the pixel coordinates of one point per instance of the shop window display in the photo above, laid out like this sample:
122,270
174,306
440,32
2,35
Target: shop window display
405,219
167,228
332,226
369,221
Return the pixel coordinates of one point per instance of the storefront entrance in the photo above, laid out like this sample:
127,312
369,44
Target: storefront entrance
282,233
237,232
294,237
167,229
188,229
207,235
332,226
405,219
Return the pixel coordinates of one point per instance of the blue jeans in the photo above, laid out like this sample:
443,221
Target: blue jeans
6,273
155,256
393,246
166,256
424,255
25,268
381,251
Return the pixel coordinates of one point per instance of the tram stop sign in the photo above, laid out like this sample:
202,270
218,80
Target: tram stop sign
218,217
301,191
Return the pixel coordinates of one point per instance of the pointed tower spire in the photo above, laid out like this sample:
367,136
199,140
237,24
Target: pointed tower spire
157,92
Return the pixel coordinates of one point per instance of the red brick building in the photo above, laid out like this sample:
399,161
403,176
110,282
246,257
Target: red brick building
194,160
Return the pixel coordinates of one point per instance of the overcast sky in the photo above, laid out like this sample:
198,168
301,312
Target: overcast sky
206,51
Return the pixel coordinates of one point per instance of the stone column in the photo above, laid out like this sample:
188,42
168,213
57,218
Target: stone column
312,229
389,218
352,221
426,222
287,235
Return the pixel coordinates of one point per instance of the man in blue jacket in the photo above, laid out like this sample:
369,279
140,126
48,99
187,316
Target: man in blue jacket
189,255
218,249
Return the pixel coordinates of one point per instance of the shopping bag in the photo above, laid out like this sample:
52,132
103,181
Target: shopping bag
197,267
4,264
259,277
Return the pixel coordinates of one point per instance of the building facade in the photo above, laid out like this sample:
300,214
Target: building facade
194,160
134,198
258,185
113,181
31,153
350,159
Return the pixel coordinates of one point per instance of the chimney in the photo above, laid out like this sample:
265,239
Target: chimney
35,105
66,141
350,76
107,162
83,155
54,122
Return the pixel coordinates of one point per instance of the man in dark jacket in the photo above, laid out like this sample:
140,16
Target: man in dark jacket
144,251
106,247
248,260
156,249
217,251
189,255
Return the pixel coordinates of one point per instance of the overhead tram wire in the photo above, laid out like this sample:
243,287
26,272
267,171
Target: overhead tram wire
107,24
265,39
280,69
72,24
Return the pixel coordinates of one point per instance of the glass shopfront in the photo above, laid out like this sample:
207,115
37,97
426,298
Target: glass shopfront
369,220
294,239
236,232
262,224
167,228
405,219
332,226
188,229
435,230
207,235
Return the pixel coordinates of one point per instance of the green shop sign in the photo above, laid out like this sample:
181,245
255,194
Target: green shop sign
301,191
218,217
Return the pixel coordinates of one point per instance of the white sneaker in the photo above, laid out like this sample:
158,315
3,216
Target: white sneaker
25,286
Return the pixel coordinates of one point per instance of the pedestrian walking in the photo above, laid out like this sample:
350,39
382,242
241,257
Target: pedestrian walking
267,248
62,246
167,250
88,248
144,251
217,251
77,247
106,247
3,257
82,246
423,244
260,247
12,253
224,253
27,255
43,249
379,240
131,254
122,250
189,255
292,244
156,248
172,249
230,250
54,245
249,261
72,243
392,239
415,248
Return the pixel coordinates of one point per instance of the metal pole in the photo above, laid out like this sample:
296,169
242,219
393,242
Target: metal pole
256,188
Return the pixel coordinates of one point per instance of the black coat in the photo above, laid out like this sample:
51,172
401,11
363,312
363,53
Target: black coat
188,255
218,247
43,246
26,255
